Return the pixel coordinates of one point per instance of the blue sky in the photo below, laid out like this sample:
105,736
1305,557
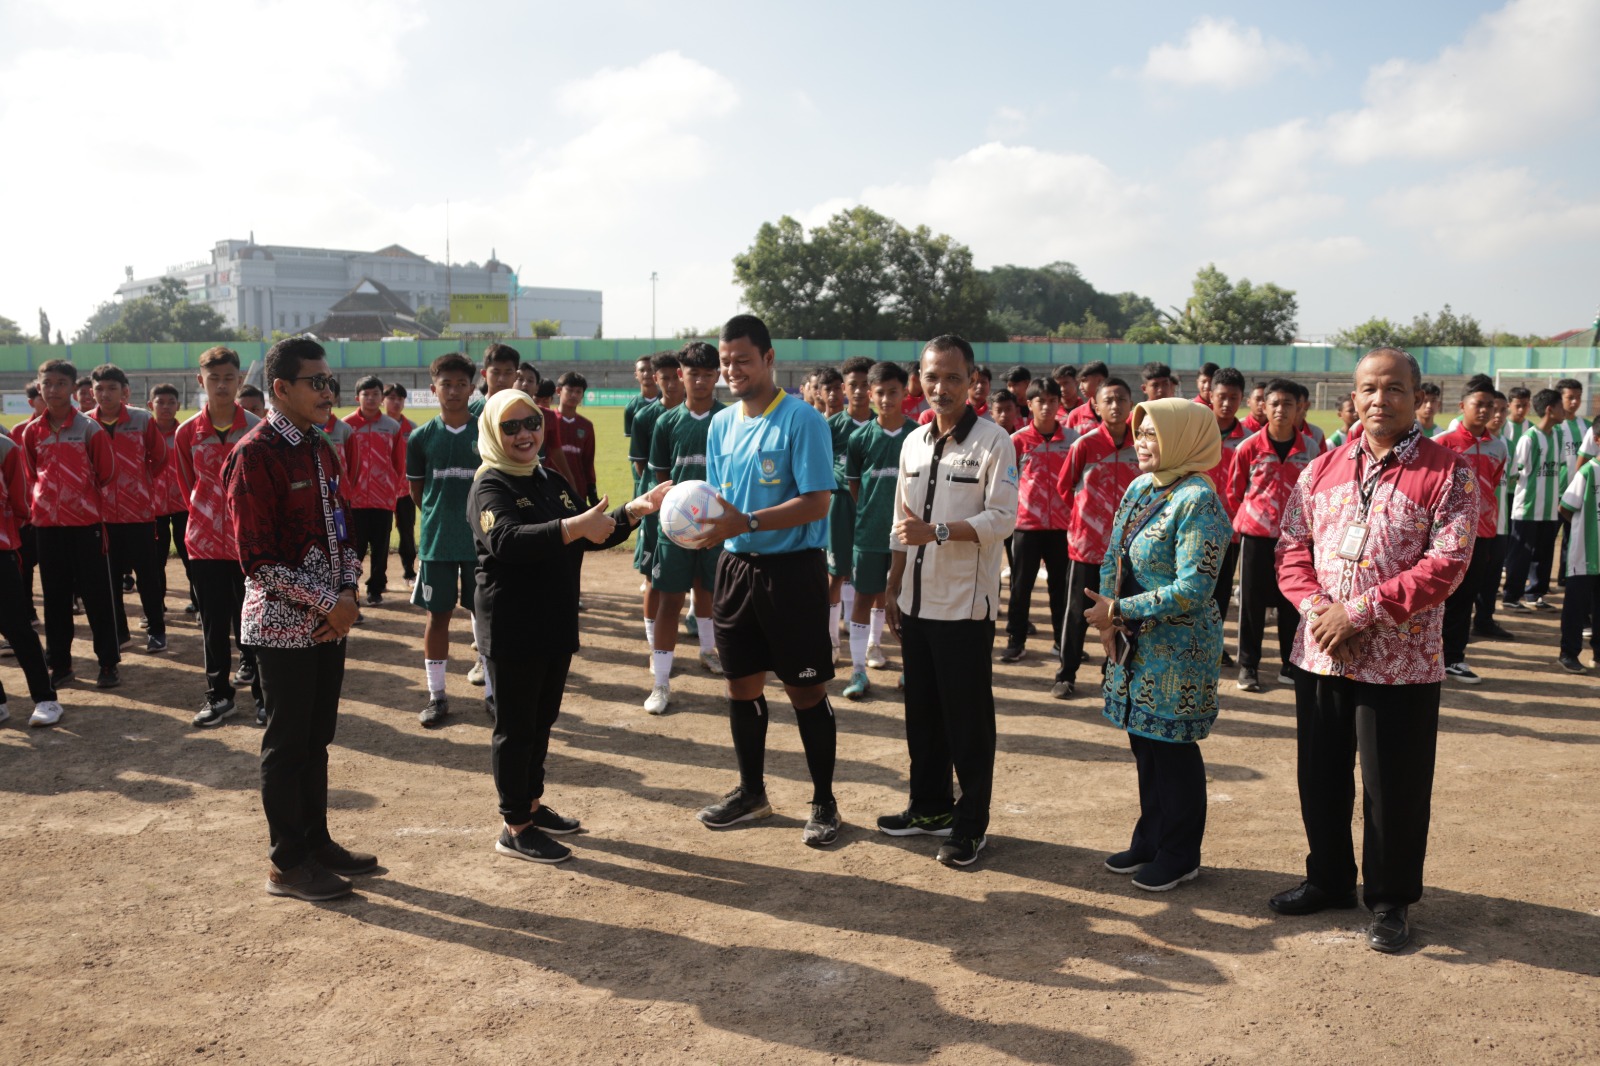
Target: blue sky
1379,159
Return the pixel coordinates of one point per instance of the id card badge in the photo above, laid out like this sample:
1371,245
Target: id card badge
1355,539
338,523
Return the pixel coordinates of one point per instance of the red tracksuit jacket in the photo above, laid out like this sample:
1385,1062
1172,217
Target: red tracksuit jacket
375,462
13,493
1262,482
202,452
141,457
1040,504
69,468
1094,478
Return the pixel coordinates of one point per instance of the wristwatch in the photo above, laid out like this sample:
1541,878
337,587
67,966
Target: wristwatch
941,533
755,523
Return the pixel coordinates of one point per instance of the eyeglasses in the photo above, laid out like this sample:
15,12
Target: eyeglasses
1145,434
513,426
319,382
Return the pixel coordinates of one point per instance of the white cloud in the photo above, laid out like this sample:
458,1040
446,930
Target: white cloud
1024,205
1519,75
1266,181
1488,212
1007,124
1222,54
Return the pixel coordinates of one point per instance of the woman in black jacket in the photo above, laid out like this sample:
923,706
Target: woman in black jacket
530,535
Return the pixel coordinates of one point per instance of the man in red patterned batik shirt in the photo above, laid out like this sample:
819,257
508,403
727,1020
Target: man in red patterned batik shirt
1375,536
294,542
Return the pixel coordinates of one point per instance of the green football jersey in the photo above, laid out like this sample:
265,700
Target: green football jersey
1583,539
445,461
873,459
644,424
678,443
842,426
631,411
1537,463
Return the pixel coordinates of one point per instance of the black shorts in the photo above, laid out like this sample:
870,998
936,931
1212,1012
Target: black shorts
770,613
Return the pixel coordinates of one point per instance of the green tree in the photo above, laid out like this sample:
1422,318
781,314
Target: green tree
433,318
1153,333
167,315
1222,312
101,318
44,327
862,276
1448,330
1027,299
11,333
545,328
1092,328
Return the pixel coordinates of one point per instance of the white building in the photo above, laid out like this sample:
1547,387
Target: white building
280,287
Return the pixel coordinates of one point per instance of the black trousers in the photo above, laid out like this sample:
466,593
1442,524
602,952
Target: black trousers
1029,548
170,532
1395,730
1488,591
1458,608
1230,566
16,628
133,550
219,592
1172,803
1532,545
300,687
28,556
1580,608
527,700
950,718
1258,590
72,560
405,519
372,528
1080,576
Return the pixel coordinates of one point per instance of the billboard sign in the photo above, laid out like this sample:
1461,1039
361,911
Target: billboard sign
488,312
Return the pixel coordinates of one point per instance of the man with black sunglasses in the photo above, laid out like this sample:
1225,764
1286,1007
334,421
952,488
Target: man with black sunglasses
290,520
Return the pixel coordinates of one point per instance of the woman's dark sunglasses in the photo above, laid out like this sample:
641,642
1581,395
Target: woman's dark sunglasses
531,424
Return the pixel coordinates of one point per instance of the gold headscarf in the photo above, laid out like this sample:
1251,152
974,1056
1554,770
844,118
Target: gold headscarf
491,449
1187,434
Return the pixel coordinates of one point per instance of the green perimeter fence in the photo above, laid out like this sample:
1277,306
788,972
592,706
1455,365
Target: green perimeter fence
410,354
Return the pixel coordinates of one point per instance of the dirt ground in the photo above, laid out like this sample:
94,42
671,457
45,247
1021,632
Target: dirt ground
135,927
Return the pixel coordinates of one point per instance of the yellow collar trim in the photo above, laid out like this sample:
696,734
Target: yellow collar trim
773,406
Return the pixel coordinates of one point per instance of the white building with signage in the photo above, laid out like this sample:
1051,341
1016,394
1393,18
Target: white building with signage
282,287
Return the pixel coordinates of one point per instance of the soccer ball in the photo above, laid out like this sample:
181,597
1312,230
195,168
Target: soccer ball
684,511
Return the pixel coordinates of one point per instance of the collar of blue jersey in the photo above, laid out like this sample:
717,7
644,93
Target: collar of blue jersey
771,407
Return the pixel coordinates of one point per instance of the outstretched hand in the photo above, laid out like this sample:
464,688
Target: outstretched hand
713,531
650,502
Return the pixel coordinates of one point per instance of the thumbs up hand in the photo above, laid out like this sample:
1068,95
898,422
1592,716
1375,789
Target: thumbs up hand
594,524
911,530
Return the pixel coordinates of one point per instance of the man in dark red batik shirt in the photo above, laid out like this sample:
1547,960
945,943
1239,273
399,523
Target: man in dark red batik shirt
1374,537
294,542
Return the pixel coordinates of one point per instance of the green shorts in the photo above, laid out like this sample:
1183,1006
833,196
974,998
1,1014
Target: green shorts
871,575
841,534
675,568
644,543
442,584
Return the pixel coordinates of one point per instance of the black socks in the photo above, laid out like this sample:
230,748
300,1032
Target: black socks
819,735
748,720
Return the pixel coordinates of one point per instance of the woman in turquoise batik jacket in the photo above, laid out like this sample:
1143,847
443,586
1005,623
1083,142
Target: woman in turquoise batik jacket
1163,637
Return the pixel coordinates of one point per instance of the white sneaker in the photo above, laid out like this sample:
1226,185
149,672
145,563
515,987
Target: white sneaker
1005,576
711,661
835,659
658,699
475,675
46,713
875,657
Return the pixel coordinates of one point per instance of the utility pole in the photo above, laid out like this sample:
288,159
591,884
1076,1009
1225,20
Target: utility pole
653,279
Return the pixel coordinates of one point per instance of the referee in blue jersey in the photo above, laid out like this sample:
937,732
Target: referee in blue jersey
770,456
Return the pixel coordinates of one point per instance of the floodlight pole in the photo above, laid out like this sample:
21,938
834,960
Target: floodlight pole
654,277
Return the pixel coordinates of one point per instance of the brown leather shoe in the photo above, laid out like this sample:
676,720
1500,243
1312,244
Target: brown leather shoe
342,860
308,881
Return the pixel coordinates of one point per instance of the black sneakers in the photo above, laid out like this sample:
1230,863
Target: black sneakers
343,861
822,828
1063,690
1125,862
550,822
1013,653
737,806
61,678
245,675
309,881
1249,680
907,824
434,714
1152,877
109,678
155,643
261,713
532,845
961,851
214,713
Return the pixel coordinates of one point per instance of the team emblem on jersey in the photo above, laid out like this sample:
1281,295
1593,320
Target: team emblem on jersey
486,521
769,467
582,433
568,501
